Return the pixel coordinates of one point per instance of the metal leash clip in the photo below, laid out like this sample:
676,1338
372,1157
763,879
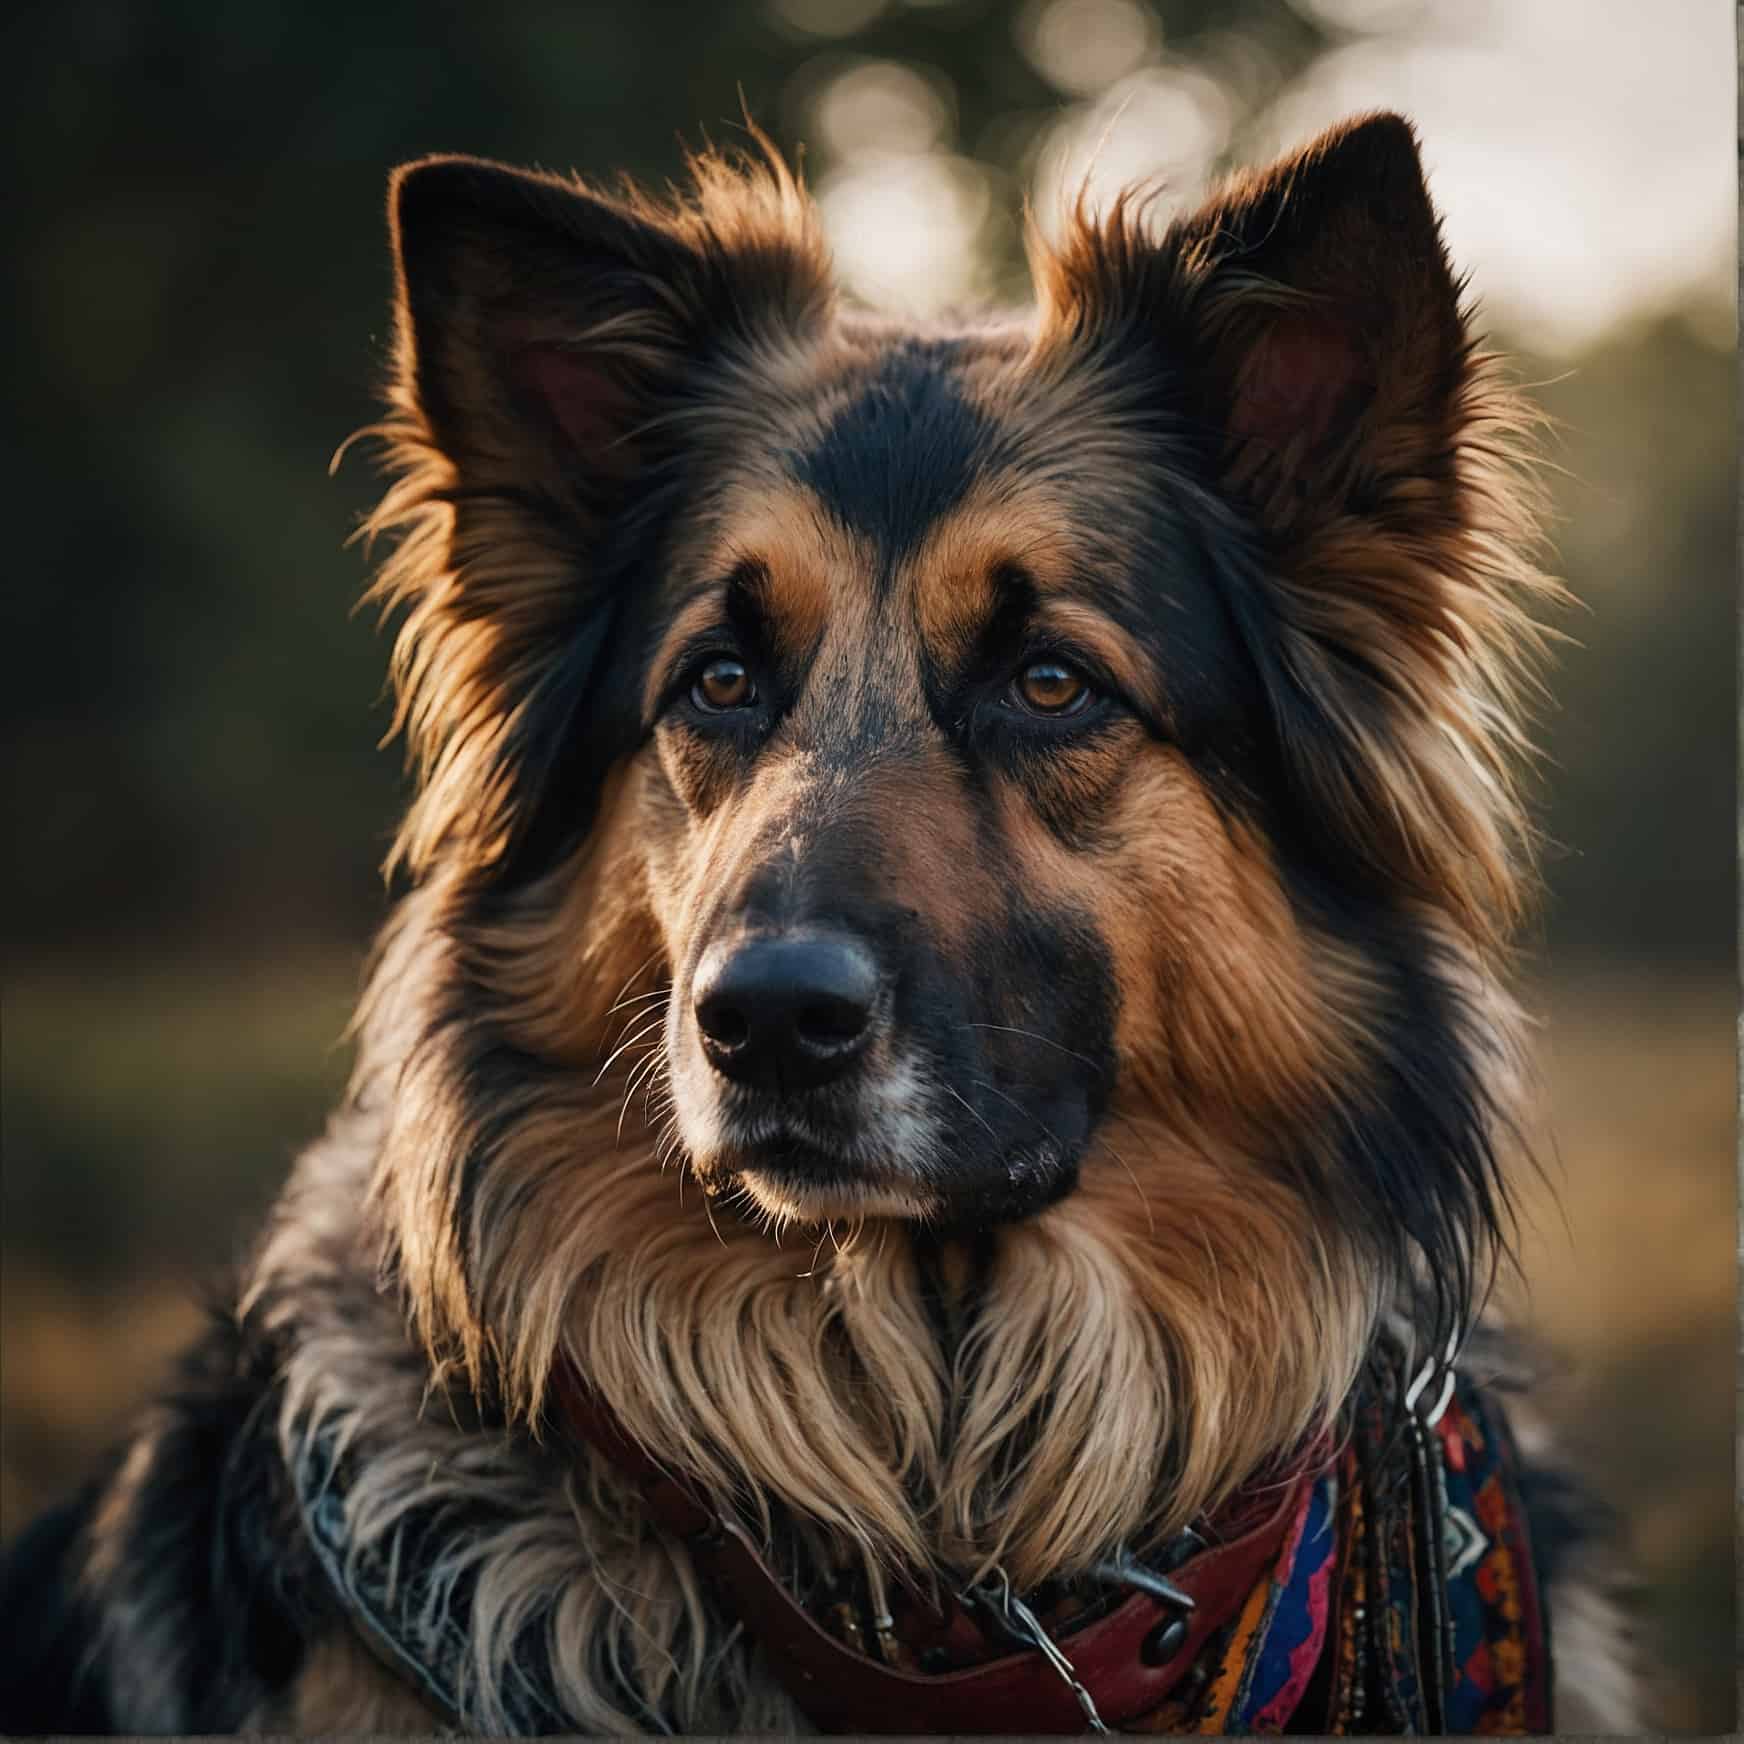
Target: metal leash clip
1427,1373
1125,1570
1023,1625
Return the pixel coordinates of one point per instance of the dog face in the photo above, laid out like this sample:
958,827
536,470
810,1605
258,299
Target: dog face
931,791
983,738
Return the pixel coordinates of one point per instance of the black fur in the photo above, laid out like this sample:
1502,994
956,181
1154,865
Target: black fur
211,1596
903,451
50,1680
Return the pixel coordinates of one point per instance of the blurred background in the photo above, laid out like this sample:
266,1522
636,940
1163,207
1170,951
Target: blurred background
192,713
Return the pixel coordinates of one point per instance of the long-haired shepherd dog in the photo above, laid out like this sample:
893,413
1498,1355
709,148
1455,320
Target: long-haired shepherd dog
933,1126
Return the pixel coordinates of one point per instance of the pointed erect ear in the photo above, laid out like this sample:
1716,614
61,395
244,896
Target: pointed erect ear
551,346
1307,309
541,324
1302,336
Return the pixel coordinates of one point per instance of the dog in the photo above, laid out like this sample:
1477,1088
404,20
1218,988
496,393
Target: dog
934,1121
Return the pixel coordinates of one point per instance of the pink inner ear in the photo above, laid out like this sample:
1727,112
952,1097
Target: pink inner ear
1302,378
590,404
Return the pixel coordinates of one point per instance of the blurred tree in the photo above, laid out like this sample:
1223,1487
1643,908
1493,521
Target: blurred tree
1639,774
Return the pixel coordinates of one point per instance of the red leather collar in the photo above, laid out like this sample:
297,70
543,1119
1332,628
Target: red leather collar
842,1690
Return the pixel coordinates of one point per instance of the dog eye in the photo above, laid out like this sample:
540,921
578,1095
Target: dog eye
721,685
1052,688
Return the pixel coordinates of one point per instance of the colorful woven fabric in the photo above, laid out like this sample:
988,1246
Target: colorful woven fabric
1295,1634
1437,1625
1403,1600
1500,1664
1251,1675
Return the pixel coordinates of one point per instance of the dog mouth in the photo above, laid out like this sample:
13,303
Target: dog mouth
901,1135
812,1164
789,1167
798,1179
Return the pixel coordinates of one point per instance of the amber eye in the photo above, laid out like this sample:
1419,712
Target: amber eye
1050,687
723,684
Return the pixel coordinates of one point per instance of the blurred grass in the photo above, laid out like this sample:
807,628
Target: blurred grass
1630,1250
148,1117
192,1085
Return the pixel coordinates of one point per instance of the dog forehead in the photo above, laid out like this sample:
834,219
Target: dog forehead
900,442
886,485
895,472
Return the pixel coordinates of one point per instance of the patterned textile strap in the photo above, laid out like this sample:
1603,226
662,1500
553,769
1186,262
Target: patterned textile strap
1252,1675
1405,1599
1437,1623
1501,1656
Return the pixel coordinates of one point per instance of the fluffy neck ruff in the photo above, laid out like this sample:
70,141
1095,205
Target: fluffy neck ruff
1115,1367
1111,1374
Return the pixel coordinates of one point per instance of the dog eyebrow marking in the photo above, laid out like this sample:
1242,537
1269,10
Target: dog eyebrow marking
964,570
790,589
779,571
1006,558
904,449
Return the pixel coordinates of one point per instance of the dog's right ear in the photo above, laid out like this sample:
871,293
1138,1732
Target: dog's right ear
550,340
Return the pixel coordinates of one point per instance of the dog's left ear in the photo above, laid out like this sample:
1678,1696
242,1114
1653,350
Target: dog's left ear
1301,337
1306,315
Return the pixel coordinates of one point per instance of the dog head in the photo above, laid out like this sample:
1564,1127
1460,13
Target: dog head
973,744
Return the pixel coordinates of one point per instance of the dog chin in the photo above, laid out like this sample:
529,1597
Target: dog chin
795,1182
789,1200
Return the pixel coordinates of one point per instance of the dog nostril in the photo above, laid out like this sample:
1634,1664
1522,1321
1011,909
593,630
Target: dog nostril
723,1023
831,1023
786,1012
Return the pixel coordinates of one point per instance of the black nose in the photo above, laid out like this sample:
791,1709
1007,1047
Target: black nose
786,1012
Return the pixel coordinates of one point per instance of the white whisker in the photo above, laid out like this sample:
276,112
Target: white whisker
1046,1041
646,1029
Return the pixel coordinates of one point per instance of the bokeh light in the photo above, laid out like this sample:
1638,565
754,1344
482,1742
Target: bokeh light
825,18
1582,151
1579,149
1161,129
873,109
902,229
1083,46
